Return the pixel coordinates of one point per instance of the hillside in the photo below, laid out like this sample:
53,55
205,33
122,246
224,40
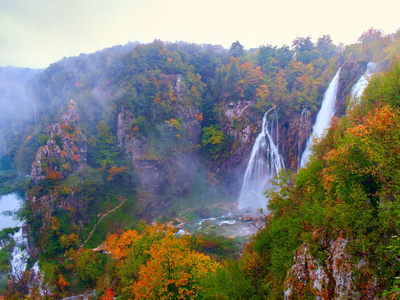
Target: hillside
162,131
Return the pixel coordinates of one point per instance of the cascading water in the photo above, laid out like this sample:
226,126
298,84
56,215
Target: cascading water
19,258
358,89
304,120
324,116
265,161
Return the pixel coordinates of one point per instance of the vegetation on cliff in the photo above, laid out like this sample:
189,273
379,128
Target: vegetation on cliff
146,115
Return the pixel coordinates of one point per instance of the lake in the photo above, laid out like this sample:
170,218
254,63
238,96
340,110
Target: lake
9,205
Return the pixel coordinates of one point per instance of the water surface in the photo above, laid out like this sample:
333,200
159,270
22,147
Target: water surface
9,205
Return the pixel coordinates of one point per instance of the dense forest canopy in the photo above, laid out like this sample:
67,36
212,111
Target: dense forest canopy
159,131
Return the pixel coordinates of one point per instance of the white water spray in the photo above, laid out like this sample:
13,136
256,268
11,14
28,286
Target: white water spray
358,89
324,116
19,255
265,161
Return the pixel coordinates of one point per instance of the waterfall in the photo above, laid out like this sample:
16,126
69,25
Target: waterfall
19,257
265,161
304,120
358,89
324,116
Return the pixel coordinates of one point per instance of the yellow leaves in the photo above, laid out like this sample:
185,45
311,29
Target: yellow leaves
211,178
174,123
173,270
54,224
161,266
69,241
262,91
378,122
172,98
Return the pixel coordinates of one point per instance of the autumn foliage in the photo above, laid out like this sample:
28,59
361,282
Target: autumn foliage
154,264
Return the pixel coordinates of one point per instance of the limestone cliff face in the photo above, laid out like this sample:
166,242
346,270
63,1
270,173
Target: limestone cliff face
65,150
64,153
295,133
170,173
350,72
242,125
333,278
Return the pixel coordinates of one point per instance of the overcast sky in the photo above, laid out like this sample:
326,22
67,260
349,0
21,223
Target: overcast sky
36,33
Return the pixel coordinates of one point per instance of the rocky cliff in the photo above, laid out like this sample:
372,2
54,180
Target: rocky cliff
241,125
65,152
336,277
169,169
350,72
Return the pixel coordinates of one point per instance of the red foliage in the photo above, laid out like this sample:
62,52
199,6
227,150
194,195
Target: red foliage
108,295
53,175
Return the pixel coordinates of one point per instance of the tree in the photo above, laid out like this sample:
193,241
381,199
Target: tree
173,271
104,150
236,49
232,80
303,44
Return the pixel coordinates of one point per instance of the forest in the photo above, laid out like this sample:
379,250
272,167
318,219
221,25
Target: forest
115,150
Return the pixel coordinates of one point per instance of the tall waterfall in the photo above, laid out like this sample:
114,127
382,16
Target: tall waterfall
265,161
358,89
304,119
324,116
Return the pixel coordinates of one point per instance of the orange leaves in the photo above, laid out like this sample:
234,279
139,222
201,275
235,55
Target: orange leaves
194,91
380,122
62,283
114,171
199,117
55,225
157,265
157,99
119,246
171,95
173,270
108,295
52,176
67,128
262,91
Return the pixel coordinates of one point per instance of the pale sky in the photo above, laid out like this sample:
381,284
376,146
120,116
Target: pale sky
36,33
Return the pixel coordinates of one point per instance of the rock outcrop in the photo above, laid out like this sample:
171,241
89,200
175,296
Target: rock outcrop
332,278
65,150
350,72
64,153
241,125
171,173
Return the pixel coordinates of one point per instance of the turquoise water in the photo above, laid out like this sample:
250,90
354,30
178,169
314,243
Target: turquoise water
9,205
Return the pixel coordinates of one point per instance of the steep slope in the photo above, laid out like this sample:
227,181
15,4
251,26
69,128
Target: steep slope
340,213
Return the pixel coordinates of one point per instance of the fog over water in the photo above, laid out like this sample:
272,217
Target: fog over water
9,205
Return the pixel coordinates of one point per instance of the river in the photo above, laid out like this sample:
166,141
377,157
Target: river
9,205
